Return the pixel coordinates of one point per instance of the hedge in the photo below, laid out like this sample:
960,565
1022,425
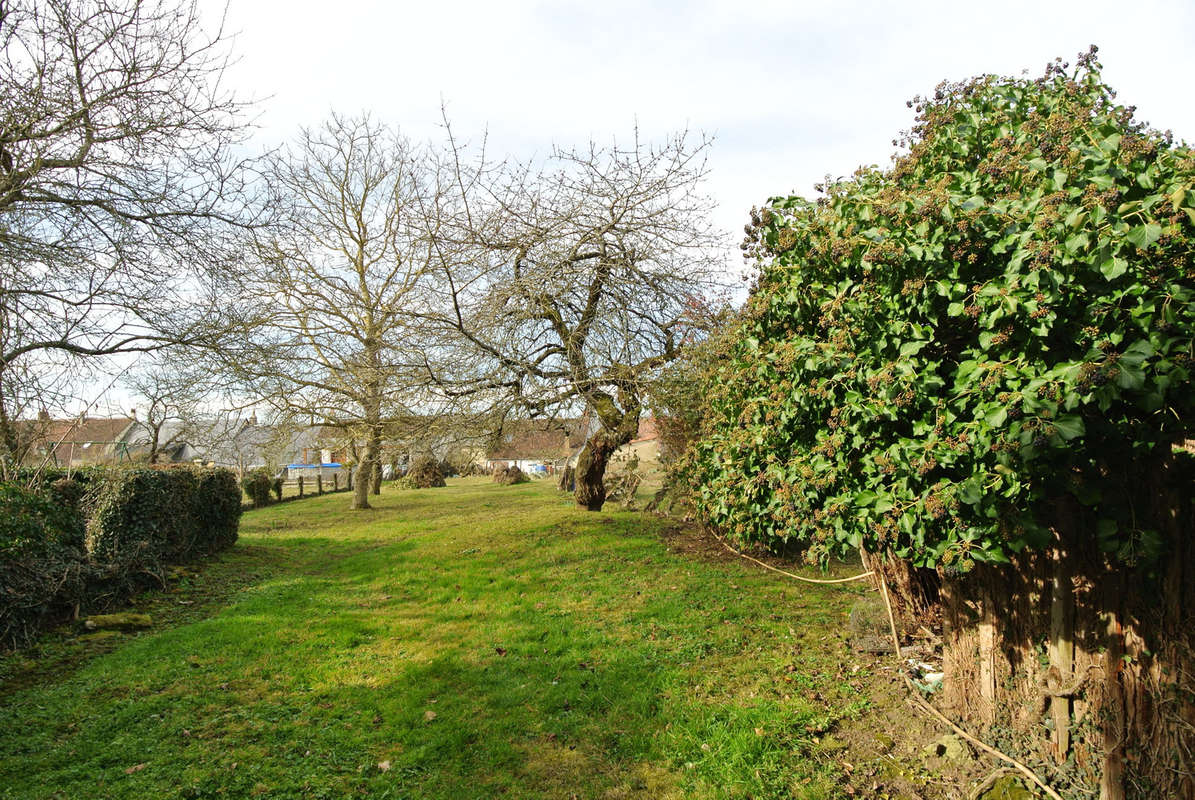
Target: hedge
257,484
98,536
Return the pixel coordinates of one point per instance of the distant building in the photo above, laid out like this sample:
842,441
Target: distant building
84,441
137,441
539,446
549,446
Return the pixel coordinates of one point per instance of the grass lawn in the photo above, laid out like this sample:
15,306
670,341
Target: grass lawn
469,642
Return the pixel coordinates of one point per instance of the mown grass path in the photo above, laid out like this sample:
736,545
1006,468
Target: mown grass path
468,642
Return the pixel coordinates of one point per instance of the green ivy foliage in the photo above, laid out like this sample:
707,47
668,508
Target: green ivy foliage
934,351
93,537
154,516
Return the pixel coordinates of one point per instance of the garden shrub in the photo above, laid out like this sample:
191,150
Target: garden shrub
258,484
157,515
217,510
42,565
96,537
974,367
933,352
35,523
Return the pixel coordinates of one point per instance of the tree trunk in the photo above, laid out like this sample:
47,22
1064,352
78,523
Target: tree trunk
361,483
375,477
618,426
591,471
568,480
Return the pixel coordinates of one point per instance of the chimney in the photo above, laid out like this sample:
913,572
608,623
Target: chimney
253,417
133,414
43,415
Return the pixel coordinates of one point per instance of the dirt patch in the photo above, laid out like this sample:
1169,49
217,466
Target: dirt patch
695,542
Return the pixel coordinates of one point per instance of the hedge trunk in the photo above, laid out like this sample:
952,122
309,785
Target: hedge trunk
1068,647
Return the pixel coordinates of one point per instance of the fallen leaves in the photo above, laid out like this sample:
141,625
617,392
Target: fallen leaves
428,716
135,769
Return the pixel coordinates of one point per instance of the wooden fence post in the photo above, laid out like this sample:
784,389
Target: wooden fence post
319,483
335,482
300,486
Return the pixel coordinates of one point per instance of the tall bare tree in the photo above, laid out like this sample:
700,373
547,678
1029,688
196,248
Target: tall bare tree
338,281
119,187
569,285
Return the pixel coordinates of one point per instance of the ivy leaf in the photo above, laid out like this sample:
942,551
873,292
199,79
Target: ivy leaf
1078,242
1114,267
1070,426
970,491
1144,235
1129,376
912,348
1137,352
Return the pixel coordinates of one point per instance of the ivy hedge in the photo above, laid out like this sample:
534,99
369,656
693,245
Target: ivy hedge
933,352
99,535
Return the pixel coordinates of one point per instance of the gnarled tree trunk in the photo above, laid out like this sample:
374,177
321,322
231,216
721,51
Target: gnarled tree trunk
618,427
591,471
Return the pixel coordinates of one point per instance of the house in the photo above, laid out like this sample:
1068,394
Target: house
645,446
79,442
539,446
243,444
137,441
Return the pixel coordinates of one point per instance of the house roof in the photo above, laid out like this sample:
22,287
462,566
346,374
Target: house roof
539,439
87,439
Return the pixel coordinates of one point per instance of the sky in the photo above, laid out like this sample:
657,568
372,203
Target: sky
790,91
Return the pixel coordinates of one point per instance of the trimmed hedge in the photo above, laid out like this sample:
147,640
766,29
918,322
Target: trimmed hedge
164,514
101,535
257,484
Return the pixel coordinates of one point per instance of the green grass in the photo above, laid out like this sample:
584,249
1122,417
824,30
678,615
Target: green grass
473,641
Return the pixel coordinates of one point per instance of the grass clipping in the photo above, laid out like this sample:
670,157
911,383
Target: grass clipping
510,475
425,473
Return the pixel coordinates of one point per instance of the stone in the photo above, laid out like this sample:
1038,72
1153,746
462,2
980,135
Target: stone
952,747
1008,787
120,622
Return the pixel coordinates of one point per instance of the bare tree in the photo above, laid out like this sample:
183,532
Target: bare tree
568,286
171,394
119,187
338,281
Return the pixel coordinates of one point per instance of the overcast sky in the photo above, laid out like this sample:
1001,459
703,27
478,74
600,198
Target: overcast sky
791,91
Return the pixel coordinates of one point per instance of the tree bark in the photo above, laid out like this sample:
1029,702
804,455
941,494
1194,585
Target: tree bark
361,483
618,426
591,471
